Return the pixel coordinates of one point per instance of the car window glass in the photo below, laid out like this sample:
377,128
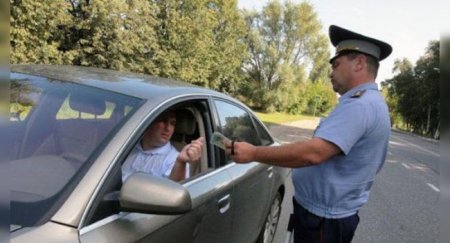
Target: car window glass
127,109
264,136
66,112
23,98
56,146
236,123
19,111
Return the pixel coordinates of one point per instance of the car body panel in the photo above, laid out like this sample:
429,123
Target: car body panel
142,86
251,197
72,210
49,232
229,201
204,223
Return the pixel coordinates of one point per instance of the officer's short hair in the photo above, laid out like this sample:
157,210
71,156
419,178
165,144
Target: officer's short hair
372,63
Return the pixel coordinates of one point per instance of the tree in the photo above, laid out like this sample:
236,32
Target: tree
201,42
427,72
34,31
413,92
229,48
4,37
319,97
198,41
113,34
285,43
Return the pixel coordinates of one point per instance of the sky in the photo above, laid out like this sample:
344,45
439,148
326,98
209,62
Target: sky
408,25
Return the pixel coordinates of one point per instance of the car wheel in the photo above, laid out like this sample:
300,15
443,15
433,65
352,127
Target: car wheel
270,226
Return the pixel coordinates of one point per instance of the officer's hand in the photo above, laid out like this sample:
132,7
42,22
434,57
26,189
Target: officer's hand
240,152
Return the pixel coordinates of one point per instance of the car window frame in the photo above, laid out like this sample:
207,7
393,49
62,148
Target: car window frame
256,122
218,125
85,227
95,200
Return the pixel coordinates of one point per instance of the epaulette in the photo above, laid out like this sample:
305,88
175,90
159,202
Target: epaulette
358,93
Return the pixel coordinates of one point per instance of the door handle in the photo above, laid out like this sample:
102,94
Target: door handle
224,203
270,172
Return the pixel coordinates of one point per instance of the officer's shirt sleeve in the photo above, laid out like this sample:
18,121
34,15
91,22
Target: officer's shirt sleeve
344,126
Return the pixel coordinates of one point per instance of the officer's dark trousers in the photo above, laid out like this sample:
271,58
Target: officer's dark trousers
310,228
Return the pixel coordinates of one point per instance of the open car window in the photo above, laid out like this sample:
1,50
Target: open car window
188,125
192,122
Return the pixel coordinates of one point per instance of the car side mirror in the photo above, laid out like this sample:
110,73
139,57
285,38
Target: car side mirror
146,193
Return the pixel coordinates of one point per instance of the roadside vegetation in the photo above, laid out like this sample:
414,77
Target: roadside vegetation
413,94
280,118
275,60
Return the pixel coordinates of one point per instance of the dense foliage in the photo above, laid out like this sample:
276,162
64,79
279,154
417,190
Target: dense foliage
413,93
288,55
210,43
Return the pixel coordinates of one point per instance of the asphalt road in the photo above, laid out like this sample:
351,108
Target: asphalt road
404,201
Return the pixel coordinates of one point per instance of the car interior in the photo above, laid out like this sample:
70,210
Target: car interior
75,139
192,123
189,126
186,129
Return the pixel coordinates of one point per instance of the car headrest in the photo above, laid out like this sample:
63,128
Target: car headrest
186,123
87,104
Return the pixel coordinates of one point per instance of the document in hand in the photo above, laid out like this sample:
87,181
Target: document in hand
219,140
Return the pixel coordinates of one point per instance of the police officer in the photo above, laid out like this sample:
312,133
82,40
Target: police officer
334,171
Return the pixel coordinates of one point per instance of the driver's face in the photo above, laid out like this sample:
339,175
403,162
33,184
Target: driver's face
161,130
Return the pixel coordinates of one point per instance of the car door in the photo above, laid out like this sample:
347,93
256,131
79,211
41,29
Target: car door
252,182
206,222
210,219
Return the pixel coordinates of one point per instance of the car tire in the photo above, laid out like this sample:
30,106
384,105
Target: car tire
270,225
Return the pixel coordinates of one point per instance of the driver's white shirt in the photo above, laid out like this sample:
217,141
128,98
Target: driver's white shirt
158,161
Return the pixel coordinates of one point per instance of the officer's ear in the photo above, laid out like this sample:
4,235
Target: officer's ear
360,62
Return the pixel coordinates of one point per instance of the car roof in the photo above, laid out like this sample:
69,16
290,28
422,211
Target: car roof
134,84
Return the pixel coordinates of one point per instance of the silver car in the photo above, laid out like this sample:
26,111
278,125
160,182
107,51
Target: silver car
70,130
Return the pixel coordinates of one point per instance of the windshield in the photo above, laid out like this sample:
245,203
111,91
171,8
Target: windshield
55,131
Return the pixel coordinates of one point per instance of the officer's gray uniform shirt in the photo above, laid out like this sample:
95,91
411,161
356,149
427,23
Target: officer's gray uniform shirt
360,127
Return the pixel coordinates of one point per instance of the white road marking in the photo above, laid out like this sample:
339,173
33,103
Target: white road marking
416,146
406,166
433,187
396,143
420,167
391,161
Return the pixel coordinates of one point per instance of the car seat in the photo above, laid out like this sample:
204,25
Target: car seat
185,132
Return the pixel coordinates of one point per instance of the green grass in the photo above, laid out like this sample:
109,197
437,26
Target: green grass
280,118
